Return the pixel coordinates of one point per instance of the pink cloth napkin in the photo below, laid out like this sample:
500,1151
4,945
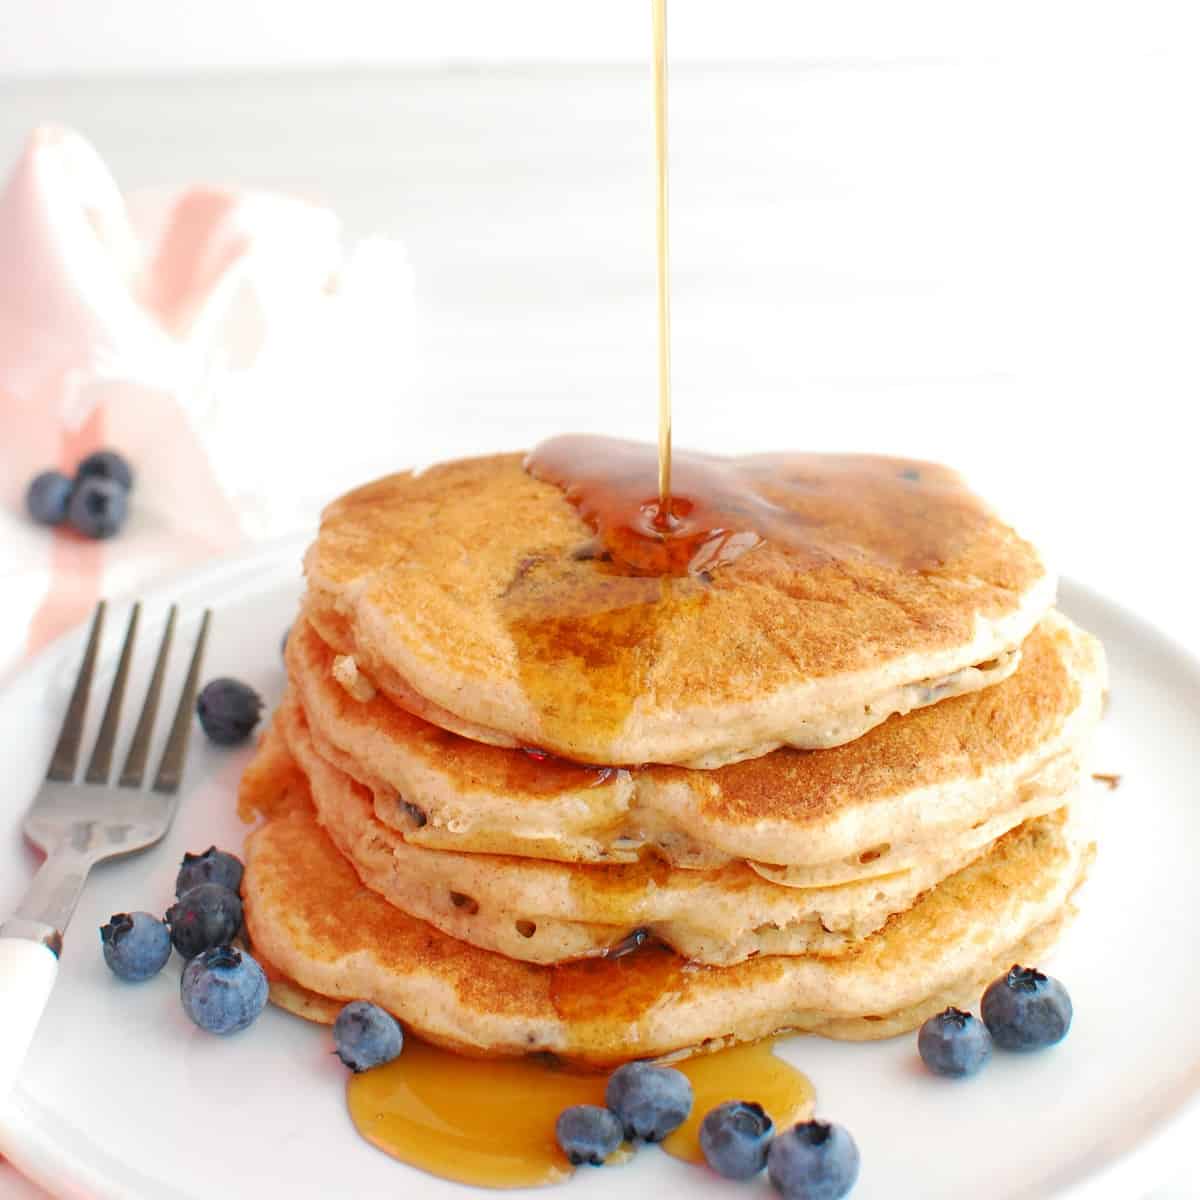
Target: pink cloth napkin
223,340
14,1186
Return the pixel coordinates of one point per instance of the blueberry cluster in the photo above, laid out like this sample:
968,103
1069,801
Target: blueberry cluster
222,988
642,1103
811,1161
95,502
1023,1010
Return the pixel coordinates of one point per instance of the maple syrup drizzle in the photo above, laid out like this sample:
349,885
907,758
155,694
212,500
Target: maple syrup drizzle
815,508
622,986
587,629
490,1122
662,518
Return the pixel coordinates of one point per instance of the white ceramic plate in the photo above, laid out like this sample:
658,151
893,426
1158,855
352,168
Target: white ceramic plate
121,1096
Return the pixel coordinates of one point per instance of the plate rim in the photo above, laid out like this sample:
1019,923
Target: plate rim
1128,1172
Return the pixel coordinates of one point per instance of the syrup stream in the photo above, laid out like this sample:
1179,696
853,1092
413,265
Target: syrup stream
662,231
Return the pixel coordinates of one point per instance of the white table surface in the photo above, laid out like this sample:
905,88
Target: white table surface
990,262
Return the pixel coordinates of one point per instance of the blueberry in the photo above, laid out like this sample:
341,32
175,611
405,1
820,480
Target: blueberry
136,945
954,1043
223,990
209,915
650,1102
587,1133
98,507
735,1138
228,711
213,866
365,1036
813,1161
106,464
47,498
1026,1010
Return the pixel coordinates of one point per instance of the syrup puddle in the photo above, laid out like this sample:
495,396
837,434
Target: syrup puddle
490,1122
743,1073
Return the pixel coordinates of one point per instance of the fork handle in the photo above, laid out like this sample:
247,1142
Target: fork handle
27,973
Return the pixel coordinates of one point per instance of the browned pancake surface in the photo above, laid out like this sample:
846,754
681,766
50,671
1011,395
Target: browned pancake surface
961,736
471,581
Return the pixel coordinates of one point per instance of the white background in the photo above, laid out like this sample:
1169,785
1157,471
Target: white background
962,231
40,37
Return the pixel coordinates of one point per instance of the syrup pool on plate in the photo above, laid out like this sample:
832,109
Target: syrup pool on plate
490,1122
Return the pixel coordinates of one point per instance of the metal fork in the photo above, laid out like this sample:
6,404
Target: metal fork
79,824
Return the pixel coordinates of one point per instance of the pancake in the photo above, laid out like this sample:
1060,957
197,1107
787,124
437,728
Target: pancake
549,912
288,995
948,778
308,914
474,595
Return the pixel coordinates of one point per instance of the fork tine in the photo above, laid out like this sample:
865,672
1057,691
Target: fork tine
66,752
135,760
101,760
170,768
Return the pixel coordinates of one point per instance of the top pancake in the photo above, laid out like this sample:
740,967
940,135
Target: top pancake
474,595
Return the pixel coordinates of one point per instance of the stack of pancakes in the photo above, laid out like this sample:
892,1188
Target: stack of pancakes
531,802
